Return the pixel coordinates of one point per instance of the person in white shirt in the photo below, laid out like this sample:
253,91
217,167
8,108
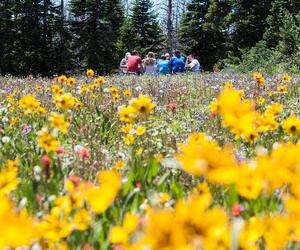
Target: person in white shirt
123,63
193,64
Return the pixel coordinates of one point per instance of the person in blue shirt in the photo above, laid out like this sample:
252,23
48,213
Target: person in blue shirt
163,65
177,63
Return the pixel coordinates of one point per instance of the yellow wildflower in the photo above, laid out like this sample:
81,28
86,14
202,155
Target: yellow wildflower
90,73
84,89
62,79
127,93
119,165
29,103
18,229
65,101
8,177
142,105
113,91
116,98
127,114
41,111
100,80
282,89
118,235
100,198
291,125
129,139
126,129
47,141
58,122
140,130
286,78
259,79
71,81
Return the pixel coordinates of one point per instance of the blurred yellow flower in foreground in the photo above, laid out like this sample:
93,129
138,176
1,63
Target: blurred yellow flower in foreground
17,228
100,197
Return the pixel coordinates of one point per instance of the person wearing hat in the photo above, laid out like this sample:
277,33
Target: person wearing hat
167,55
177,63
124,62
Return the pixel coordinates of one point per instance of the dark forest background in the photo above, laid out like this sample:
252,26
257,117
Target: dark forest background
51,37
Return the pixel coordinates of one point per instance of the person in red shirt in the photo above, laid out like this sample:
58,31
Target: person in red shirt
134,64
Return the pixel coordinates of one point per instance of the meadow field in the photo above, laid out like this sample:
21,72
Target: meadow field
192,161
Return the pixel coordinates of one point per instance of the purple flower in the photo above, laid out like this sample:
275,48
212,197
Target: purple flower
26,129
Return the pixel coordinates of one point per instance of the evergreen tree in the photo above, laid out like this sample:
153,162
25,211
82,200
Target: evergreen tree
96,26
128,40
276,19
143,22
248,21
217,30
6,37
32,48
192,35
62,43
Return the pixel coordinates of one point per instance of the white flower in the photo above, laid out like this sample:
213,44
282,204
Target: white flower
138,88
5,119
36,246
51,198
5,139
37,169
106,90
23,202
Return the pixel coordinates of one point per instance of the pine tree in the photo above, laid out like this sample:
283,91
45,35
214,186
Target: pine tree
96,26
62,43
276,19
248,21
192,36
128,40
7,64
217,30
34,41
143,22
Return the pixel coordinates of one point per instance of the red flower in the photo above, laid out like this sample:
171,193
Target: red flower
118,247
87,246
46,162
84,153
237,209
60,150
138,184
173,106
74,179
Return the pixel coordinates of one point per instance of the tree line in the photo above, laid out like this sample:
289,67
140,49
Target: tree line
48,37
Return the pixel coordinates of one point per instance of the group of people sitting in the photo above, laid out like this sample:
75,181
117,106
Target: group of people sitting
166,64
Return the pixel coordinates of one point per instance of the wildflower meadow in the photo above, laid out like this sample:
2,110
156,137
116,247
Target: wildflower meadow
190,161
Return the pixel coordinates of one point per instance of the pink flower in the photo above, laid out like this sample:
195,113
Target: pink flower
45,161
118,247
237,209
83,153
173,106
74,179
